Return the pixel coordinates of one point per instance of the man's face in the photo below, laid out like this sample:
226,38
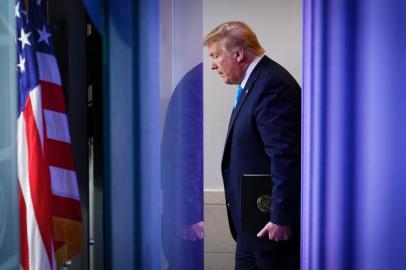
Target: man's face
225,63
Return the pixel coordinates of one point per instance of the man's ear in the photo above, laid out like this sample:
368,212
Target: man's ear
240,55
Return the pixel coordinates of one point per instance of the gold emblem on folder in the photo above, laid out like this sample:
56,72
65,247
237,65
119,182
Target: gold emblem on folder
264,203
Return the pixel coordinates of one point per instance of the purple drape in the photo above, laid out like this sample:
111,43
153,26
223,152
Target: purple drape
354,99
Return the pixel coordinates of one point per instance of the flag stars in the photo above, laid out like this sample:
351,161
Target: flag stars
21,64
17,10
43,35
24,38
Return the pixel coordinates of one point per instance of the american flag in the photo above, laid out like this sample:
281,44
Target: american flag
50,215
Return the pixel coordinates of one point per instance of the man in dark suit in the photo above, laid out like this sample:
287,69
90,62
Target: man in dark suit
182,174
263,138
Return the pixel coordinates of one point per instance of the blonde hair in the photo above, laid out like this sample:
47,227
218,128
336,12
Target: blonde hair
234,34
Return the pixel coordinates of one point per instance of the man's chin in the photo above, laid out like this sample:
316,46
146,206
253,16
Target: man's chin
227,81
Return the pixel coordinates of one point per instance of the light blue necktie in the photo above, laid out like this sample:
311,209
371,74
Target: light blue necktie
237,95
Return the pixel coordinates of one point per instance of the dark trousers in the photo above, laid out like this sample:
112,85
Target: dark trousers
279,259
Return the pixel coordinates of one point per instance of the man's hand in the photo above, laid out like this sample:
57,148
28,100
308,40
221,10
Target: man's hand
276,232
192,232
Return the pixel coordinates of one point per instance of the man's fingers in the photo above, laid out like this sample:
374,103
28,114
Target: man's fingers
262,232
274,236
276,232
271,235
193,237
199,232
283,235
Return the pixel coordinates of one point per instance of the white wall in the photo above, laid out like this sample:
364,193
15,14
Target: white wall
180,49
278,25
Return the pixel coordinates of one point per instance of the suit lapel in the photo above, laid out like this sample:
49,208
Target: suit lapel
247,90
236,110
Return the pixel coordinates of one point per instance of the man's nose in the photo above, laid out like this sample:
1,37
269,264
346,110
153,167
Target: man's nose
213,66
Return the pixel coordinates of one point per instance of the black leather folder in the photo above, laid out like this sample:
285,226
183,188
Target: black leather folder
256,200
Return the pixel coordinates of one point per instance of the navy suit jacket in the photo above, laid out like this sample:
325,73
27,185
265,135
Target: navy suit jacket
264,138
182,152
182,171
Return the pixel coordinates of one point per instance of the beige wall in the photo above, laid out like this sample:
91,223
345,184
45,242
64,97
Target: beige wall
219,245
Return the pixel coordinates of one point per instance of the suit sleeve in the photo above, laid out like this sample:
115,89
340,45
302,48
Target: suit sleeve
277,116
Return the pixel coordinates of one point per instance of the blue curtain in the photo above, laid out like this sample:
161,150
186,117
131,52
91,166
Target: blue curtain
354,99
136,197
132,187
94,9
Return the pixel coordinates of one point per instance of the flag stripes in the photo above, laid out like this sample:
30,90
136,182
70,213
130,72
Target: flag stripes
63,183
48,68
57,126
38,176
50,212
23,232
52,97
33,253
59,154
60,210
36,104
